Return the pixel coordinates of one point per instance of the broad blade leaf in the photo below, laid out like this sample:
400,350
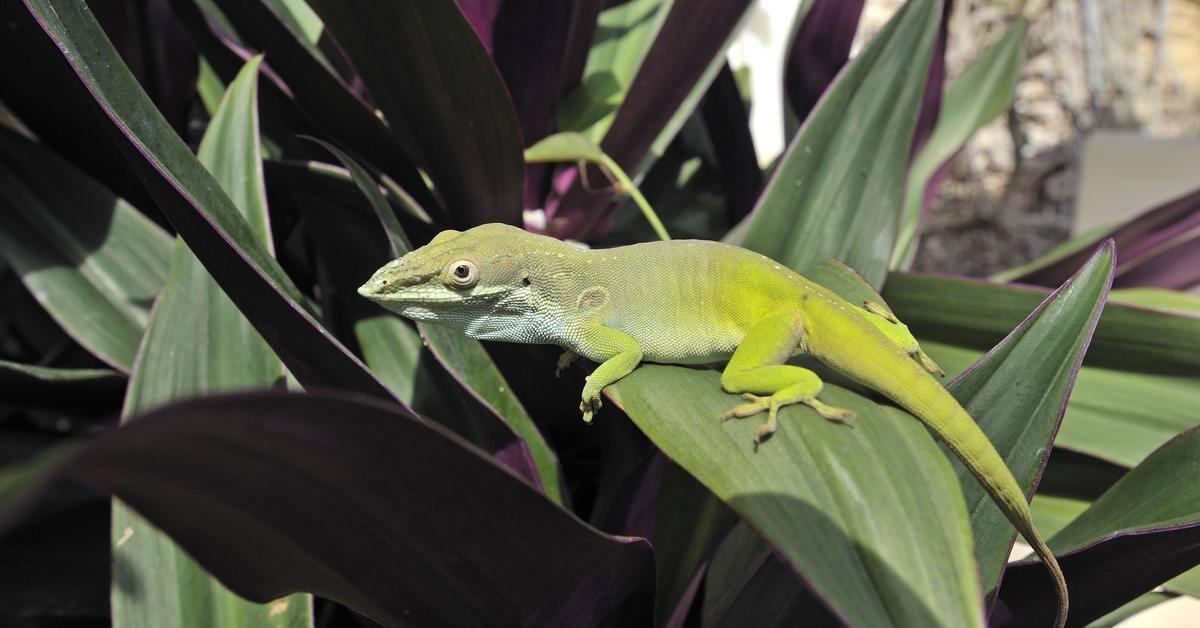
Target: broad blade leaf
354,500
89,258
430,75
982,92
1146,528
837,190
199,343
870,515
201,213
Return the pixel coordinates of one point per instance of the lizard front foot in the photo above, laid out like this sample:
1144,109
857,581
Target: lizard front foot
589,407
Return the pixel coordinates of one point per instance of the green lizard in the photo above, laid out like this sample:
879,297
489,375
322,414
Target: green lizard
689,302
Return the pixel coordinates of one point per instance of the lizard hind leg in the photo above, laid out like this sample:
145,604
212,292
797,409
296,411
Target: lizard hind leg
758,371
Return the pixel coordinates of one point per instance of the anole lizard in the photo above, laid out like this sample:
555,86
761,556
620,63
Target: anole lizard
690,302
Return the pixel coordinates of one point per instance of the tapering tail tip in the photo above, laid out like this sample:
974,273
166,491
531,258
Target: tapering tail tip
1060,582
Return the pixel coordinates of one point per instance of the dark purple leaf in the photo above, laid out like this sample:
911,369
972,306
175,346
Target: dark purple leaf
40,88
352,499
935,84
728,124
202,214
528,40
1175,266
481,14
1142,532
663,81
431,77
328,103
1148,236
819,50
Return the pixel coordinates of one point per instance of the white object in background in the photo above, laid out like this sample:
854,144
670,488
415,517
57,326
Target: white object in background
761,46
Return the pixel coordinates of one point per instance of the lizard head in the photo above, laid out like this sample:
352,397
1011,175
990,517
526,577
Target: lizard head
463,279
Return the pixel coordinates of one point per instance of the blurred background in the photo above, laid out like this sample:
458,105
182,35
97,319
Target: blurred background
1106,85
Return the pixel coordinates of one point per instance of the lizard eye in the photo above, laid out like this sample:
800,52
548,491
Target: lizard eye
462,274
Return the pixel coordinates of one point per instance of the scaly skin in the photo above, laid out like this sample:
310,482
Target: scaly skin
690,302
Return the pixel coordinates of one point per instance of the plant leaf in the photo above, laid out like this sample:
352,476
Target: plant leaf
1153,233
324,97
870,515
154,582
749,584
199,210
69,390
1018,392
1139,384
820,48
982,92
430,75
386,514
689,522
837,190
661,96
1145,528
89,258
1158,298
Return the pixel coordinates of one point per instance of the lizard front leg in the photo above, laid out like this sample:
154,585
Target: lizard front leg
758,368
618,354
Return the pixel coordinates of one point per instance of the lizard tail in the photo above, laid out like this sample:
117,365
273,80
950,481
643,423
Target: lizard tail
946,418
883,367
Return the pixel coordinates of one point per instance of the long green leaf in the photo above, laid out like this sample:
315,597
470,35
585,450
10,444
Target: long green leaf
982,92
623,36
837,190
89,258
199,343
869,514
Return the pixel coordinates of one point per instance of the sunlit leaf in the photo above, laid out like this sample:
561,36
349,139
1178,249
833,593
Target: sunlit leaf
837,190
90,259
